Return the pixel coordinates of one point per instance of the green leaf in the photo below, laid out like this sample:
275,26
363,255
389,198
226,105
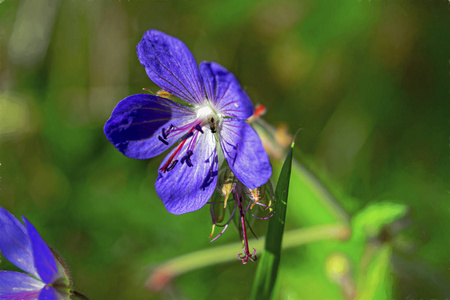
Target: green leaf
377,283
368,224
373,218
267,272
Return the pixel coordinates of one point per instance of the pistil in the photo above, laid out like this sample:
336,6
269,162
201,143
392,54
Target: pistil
245,256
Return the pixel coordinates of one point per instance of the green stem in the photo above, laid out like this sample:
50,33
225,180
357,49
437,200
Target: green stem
78,295
166,271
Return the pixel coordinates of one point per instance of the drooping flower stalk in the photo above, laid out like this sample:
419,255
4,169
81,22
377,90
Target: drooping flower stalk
237,197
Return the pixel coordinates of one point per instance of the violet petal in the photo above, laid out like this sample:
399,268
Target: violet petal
170,64
15,244
49,293
185,189
225,91
244,152
44,261
138,120
15,285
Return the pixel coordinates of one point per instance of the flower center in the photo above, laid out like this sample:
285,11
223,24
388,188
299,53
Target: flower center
209,116
205,117
204,111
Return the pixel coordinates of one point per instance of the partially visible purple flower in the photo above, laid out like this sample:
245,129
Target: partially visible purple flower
24,247
143,126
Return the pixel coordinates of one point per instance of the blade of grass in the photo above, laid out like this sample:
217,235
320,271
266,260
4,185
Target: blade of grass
267,272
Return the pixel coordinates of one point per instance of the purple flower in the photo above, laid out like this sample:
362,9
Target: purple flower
24,247
143,126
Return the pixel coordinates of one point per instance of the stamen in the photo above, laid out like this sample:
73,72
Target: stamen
193,141
168,165
187,157
199,128
188,135
172,165
149,90
222,232
216,222
189,163
169,161
162,140
166,133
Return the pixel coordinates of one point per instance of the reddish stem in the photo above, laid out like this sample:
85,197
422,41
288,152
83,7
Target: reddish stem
246,255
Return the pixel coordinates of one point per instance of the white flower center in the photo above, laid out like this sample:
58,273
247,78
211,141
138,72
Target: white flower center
208,116
204,111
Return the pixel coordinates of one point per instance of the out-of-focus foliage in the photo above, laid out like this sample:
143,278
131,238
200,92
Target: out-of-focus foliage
366,81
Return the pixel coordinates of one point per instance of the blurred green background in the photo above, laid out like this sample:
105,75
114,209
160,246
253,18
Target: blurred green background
366,81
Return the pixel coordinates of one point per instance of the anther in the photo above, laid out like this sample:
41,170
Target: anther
187,135
187,158
172,165
189,153
166,133
162,140
188,162
199,128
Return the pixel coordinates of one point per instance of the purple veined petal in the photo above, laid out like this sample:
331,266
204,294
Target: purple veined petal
15,285
185,189
244,153
225,92
15,244
44,262
49,293
136,123
170,64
